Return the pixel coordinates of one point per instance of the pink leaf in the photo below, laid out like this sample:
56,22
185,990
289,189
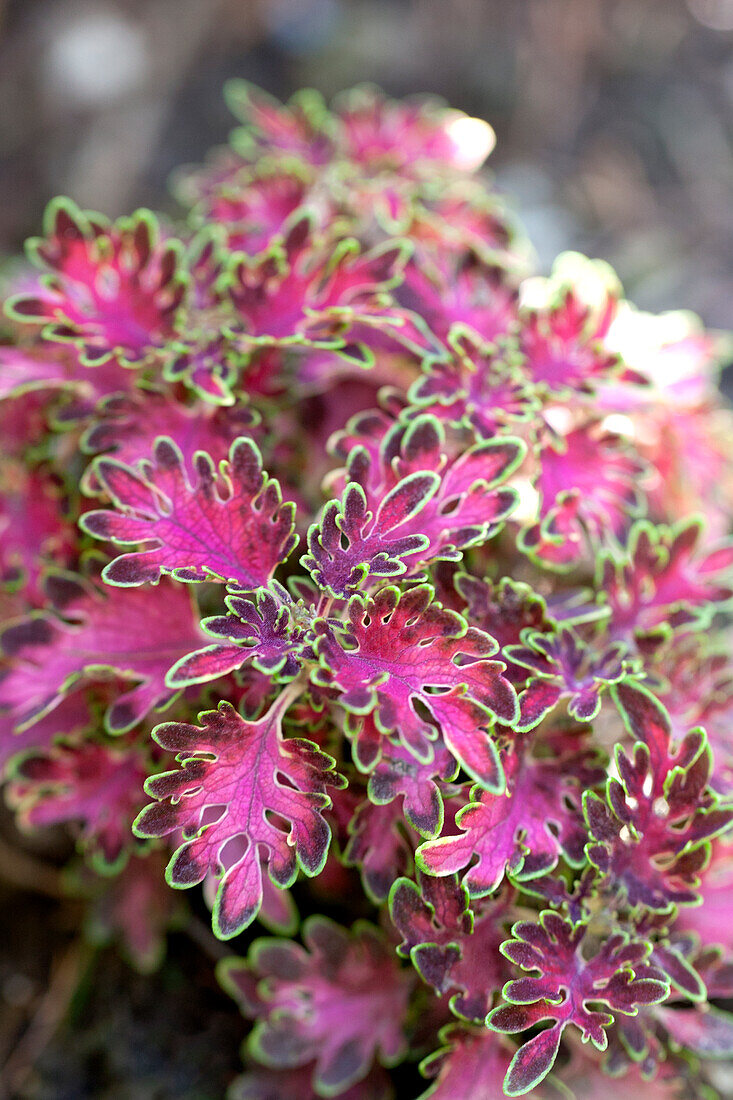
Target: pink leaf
524,831
356,992
241,786
96,635
100,787
231,527
400,656
113,291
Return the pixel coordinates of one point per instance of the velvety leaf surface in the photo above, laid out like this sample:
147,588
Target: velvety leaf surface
455,949
616,976
477,386
308,289
650,834
270,629
563,666
400,775
524,831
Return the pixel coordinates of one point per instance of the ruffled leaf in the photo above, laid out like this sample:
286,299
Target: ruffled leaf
231,527
242,792
615,975
402,656
407,503
357,993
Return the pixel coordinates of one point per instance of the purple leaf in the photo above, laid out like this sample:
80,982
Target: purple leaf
453,949
269,629
565,666
408,502
573,974
650,834
589,489
398,774
380,844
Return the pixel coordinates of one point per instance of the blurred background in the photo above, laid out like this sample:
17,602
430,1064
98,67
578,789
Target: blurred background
614,117
614,121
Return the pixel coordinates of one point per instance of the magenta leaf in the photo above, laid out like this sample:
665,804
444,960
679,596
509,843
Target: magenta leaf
269,629
297,1084
121,427
589,490
399,774
616,976
452,952
96,635
113,291
525,830
340,1002
476,387
411,137
310,290
241,786
99,787
73,716
233,526
563,666
663,579
505,610
697,690
298,129
33,530
460,293
563,346
381,845
471,1065
407,503
23,370
650,835
707,1032
401,656
255,206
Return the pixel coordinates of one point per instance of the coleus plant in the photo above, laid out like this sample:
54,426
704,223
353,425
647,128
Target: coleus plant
403,541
